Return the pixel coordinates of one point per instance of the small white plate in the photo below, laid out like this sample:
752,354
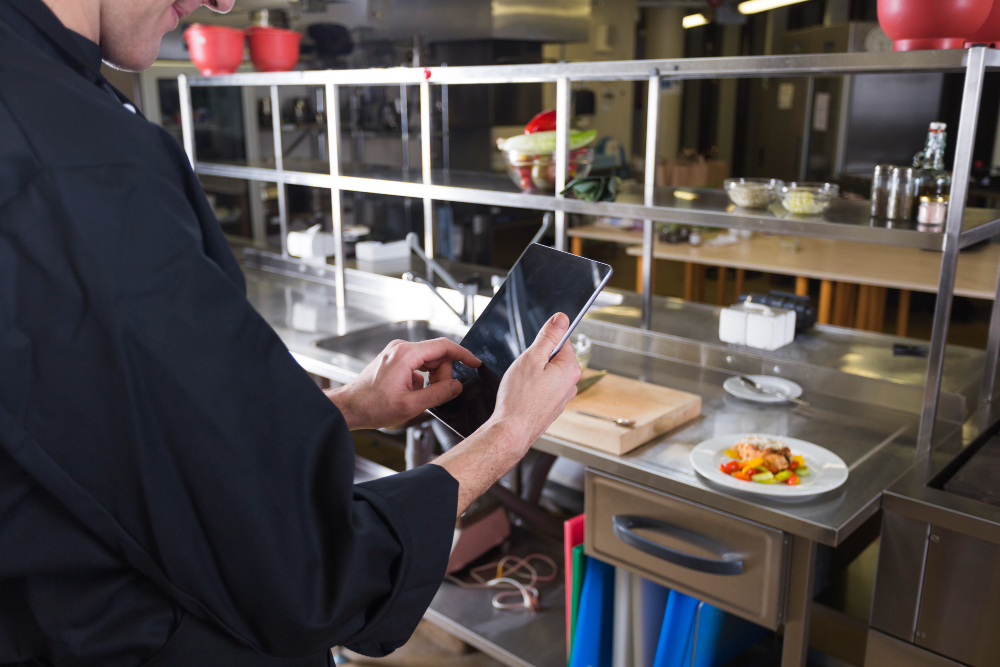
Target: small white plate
739,390
827,471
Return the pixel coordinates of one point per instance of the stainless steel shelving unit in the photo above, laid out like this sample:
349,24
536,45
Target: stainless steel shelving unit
846,220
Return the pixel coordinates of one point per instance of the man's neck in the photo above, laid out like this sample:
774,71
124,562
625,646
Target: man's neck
80,16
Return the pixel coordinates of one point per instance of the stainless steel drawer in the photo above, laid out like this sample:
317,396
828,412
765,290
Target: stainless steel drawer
734,564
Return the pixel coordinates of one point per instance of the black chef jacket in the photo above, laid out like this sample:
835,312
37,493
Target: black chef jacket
174,489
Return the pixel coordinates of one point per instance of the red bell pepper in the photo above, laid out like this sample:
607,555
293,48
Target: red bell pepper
542,122
730,468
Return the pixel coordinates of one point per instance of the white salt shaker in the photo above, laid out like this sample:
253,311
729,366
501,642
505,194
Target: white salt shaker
757,325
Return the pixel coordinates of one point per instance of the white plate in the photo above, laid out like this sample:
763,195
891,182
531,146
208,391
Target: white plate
827,471
739,390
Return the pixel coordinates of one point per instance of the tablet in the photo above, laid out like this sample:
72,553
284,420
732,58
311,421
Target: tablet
542,283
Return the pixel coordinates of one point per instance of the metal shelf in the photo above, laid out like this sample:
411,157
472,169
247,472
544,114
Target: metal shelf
847,219
827,64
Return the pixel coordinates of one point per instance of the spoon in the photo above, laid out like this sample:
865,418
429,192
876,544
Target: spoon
627,423
753,386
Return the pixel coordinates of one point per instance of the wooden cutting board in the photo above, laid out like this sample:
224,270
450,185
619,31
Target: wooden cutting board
655,410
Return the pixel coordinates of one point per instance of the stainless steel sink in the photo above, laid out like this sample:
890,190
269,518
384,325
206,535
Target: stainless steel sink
366,344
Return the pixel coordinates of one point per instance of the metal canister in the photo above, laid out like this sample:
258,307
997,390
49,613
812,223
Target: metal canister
880,189
901,194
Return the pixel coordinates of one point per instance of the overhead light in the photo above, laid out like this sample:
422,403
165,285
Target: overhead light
754,6
693,20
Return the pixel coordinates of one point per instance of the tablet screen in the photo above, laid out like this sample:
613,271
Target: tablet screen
542,283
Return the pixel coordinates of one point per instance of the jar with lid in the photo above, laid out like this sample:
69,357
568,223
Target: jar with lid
932,213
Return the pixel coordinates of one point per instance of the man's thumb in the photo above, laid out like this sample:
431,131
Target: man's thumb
435,394
551,333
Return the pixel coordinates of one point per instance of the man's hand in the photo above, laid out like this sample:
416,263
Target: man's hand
532,394
534,390
389,391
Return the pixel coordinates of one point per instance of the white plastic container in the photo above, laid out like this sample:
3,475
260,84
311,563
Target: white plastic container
756,325
310,244
373,251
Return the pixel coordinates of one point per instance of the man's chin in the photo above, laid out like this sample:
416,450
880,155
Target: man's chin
129,61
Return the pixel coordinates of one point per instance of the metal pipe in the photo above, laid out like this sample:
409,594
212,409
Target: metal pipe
426,135
404,122
332,92
414,242
806,129
445,131
546,223
251,144
821,64
187,122
563,104
423,281
279,166
964,141
648,226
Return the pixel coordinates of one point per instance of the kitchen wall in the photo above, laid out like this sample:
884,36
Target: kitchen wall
612,37
664,38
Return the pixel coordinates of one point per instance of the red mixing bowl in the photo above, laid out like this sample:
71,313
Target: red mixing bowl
273,49
931,24
989,32
214,49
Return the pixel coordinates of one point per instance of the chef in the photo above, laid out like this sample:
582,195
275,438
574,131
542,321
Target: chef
174,489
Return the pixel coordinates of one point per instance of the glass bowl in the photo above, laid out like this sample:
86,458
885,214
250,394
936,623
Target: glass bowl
537,173
808,198
752,192
582,348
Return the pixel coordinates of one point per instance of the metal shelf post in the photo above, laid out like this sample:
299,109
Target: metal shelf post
426,135
648,226
563,110
964,140
279,165
187,122
332,91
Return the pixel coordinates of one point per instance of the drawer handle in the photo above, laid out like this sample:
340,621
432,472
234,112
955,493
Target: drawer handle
728,563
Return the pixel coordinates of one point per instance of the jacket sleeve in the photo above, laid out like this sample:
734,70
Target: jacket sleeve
158,406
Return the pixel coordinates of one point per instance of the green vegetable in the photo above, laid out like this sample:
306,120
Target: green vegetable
594,188
802,471
783,475
545,142
768,481
763,477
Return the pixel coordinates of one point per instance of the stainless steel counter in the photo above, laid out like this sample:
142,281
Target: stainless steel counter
870,422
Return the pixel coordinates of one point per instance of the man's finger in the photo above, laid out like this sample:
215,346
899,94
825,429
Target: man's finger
550,335
431,353
440,372
434,394
416,381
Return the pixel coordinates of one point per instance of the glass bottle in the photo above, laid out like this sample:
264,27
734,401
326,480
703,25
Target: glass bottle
932,179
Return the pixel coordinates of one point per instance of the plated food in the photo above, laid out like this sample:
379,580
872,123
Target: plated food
819,470
764,460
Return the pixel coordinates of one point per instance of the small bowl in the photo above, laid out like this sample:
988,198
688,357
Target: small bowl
273,49
752,192
808,198
214,49
537,173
